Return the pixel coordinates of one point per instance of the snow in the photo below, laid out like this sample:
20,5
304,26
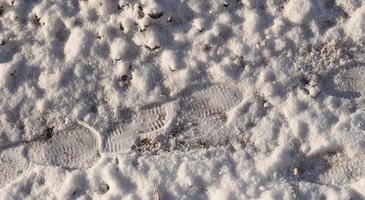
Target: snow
355,25
77,45
122,50
161,79
298,11
169,60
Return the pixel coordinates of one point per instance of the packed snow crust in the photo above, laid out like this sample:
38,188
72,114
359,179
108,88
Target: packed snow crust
300,65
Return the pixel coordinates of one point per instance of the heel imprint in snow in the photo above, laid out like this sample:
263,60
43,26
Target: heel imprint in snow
347,82
333,168
74,147
12,164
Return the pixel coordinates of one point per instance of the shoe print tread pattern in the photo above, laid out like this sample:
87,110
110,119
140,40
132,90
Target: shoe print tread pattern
198,103
205,100
75,147
333,168
12,164
346,82
148,119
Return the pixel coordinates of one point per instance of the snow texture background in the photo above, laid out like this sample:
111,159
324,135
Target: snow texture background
298,131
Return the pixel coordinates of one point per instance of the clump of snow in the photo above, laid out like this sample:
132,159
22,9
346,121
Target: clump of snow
199,24
169,60
298,11
253,25
122,50
356,25
6,72
143,79
77,45
277,161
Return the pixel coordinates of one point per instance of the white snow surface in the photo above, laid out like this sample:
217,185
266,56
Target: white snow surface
298,131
